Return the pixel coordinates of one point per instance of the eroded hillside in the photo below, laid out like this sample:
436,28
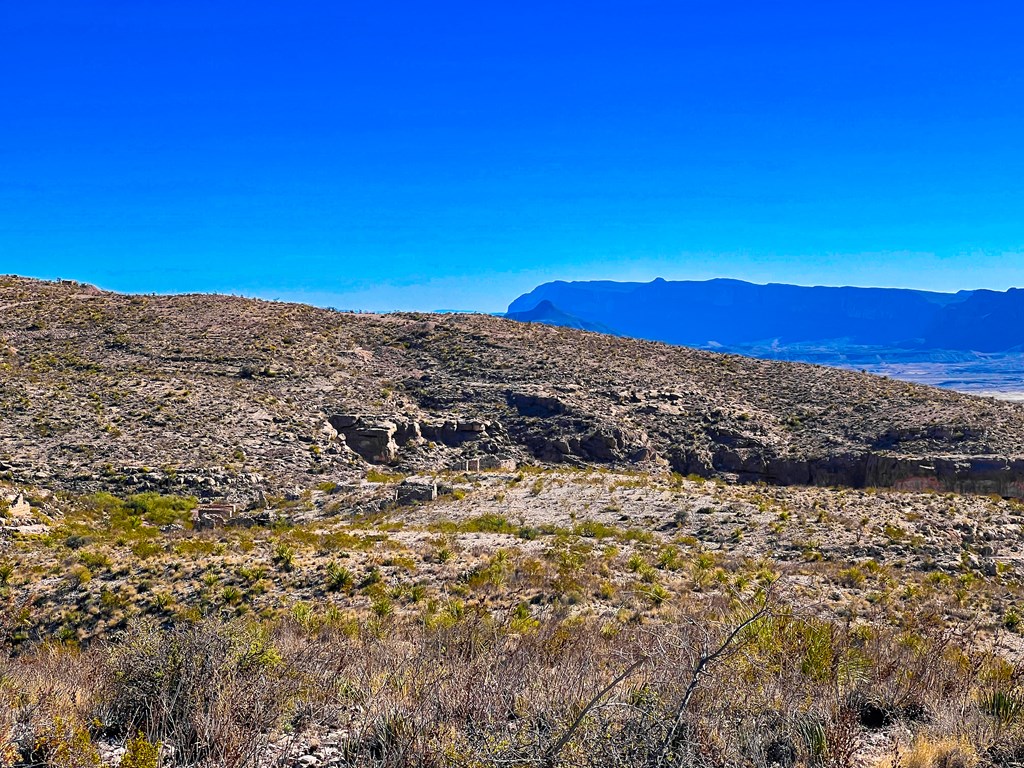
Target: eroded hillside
225,396
228,396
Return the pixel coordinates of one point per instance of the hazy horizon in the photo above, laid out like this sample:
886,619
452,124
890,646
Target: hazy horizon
324,300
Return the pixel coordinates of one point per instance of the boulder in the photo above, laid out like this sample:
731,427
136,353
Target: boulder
374,443
541,404
408,431
372,438
343,422
413,490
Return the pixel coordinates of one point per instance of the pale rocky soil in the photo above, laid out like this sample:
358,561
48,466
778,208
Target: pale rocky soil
848,552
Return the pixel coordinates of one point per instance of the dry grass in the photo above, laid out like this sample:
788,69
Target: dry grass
927,752
459,687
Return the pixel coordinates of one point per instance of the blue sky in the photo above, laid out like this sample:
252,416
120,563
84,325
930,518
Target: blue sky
453,155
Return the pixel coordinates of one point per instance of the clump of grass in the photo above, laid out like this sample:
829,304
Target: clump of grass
931,752
376,476
852,577
489,522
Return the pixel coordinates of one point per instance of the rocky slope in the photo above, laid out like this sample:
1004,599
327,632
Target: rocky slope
230,397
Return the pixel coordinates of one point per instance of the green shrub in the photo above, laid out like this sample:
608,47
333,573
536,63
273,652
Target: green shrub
94,560
488,523
145,549
339,578
1012,619
284,557
79,575
140,753
382,607
161,510
67,744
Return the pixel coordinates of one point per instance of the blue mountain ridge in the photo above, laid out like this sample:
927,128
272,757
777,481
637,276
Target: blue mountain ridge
727,313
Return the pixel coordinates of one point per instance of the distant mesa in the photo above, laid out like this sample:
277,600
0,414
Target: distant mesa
735,312
986,321
970,340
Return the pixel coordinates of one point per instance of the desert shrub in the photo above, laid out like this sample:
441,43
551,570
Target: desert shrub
215,691
79,575
66,744
154,508
339,578
852,577
284,557
532,682
95,561
102,503
140,753
146,548
1012,619
161,510
488,522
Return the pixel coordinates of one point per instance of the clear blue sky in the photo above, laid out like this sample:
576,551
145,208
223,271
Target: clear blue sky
437,154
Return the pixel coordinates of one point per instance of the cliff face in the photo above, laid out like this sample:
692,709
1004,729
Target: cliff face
958,474
228,397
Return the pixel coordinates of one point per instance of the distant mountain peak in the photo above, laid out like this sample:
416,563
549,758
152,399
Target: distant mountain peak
547,313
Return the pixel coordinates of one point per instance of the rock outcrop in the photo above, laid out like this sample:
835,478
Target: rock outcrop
379,439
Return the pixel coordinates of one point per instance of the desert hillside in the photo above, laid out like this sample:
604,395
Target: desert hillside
226,396
251,534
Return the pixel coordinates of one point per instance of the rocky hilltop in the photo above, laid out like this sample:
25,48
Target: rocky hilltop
228,397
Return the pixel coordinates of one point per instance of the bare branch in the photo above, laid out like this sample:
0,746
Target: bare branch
700,669
558,745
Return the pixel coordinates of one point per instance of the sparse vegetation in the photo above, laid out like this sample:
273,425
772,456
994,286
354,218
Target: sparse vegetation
565,612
